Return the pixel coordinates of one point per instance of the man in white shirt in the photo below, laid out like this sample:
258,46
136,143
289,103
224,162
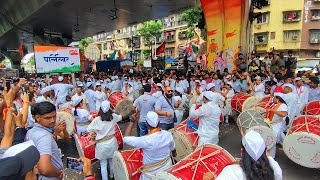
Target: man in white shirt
90,97
302,95
61,90
257,88
291,100
99,96
79,92
157,146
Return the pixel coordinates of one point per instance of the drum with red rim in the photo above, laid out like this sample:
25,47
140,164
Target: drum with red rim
253,120
302,143
312,108
68,118
87,150
185,137
120,104
206,162
241,102
264,104
126,164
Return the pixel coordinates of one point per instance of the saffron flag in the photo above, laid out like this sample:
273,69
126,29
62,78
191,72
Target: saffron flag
161,48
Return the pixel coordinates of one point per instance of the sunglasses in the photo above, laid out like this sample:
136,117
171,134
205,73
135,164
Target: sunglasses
170,91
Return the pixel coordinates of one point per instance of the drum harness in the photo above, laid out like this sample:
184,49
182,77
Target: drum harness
106,138
152,167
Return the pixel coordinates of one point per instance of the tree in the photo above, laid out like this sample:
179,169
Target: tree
192,17
84,43
149,29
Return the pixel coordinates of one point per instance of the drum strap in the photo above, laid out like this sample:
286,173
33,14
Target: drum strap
152,167
92,143
83,123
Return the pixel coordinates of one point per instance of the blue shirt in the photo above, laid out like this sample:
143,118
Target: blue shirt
314,94
164,106
144,104
46,145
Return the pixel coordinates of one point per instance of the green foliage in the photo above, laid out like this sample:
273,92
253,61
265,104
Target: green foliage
84,43
149,29
190,32
146,53
191,16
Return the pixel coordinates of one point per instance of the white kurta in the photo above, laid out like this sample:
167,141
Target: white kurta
82,118
156,147
209,116
227,110
90,97
259,91
61,91
99,97
291,101
235,172
281,126
179,111
106,149
302,98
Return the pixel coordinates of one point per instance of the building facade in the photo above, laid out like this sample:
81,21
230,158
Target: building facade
288,25
129,45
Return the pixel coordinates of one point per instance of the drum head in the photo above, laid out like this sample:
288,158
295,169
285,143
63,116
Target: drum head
119,167
124,107
250,103
165,176
312,108
68,118
303,149
78,145
183,146
267,135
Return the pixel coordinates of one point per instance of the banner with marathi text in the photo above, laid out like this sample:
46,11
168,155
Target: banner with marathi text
55,59
225,20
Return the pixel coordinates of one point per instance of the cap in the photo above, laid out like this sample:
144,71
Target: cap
197,81
228,76
257,77
297,79
98,84
179,90
17,163
209,95
60,78
210,85
161,86
80,85
105,106
254,144
45,89
77,100
152,119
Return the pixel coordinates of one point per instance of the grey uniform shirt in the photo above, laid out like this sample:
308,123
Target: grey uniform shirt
46,145
164,106
144,104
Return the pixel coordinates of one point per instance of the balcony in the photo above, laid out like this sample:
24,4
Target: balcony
316,1
315,15
261,39
183,35
291,16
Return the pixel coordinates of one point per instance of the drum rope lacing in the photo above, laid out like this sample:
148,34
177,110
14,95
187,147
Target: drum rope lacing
185,129
198,160
306,124
253,120
307,110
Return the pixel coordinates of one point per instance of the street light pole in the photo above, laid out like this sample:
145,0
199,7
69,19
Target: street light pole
155,45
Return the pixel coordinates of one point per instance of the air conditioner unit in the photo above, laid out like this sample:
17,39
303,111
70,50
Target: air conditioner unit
294,37
318,54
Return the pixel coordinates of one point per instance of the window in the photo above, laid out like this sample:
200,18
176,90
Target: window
261,39
290,36
136,42
263,19
169,22
183,35
291,16
273,35
315,36
169,52
315,15
170,36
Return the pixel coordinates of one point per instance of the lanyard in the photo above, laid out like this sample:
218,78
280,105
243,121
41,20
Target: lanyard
299,91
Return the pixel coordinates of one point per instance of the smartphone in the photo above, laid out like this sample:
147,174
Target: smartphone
8,84
73,163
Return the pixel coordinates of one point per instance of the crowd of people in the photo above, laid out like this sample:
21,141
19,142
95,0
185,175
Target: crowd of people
30,131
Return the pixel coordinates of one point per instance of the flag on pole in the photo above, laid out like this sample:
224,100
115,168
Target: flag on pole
161,48
21,50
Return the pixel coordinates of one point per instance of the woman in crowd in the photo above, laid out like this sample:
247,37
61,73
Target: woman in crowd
82,116
106,143
255,163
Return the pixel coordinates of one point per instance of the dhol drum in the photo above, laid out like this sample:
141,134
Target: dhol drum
312,108
127,163
185,137
206,162
264,104
120,104
302,143
252,119
85,147
241,102
68,118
